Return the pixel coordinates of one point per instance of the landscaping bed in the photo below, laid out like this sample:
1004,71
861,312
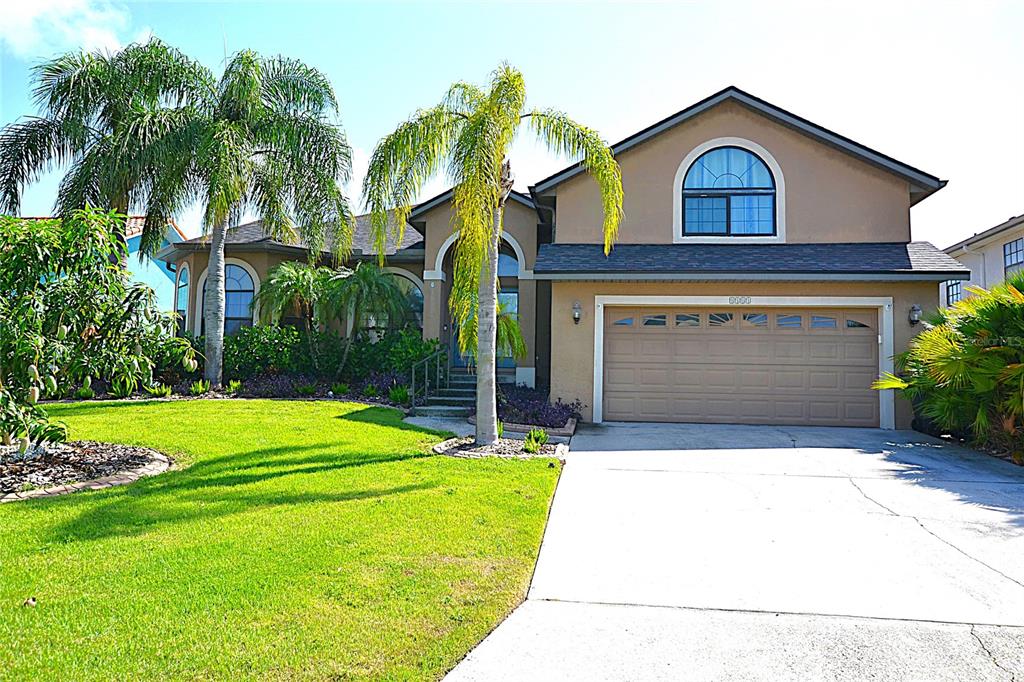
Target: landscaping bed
60,464
508,448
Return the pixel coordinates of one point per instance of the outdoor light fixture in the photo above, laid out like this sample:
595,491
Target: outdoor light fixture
915,314
577,312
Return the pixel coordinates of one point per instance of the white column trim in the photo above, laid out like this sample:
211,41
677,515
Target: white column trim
886,399
780,194
197,324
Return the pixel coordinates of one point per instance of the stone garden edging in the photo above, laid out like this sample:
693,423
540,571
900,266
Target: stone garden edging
157,464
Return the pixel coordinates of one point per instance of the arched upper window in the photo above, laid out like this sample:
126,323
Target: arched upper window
181,299
239,292
508,266
728,191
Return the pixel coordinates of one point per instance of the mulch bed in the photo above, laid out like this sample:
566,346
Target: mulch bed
64,463
507,448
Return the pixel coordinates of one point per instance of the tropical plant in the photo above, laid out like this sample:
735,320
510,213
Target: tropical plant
501,429
339,388
399,395
199,387
159,390
306,390
535,440
469,135
524,405
371,391
965,373
294,285
70,313
262,140
365,295
85,393
234,386
98,113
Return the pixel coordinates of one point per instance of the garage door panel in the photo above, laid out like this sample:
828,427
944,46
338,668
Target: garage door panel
759,367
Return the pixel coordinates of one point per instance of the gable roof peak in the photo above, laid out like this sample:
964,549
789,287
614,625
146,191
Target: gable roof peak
922,184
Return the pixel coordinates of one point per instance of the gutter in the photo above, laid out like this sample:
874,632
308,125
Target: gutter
931,276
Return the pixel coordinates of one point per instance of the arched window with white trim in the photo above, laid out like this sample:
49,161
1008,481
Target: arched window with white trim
239,291
728,191
181,298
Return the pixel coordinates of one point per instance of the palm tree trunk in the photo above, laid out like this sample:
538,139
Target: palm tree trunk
214,305
486,339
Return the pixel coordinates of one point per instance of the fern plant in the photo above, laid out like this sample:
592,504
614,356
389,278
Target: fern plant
200,387
159,390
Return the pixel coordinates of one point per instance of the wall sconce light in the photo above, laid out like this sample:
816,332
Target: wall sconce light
577,312
915,315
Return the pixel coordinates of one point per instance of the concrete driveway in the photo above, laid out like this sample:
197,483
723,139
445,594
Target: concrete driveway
729,552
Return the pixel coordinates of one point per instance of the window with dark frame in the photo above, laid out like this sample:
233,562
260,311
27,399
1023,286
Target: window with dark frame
1013,256
954,291
729,192
238,295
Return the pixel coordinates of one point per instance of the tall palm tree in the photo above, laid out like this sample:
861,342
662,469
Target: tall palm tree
264,140
90,106
361,295
469,135
508,336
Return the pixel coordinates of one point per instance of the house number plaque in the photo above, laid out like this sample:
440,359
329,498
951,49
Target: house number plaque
739,300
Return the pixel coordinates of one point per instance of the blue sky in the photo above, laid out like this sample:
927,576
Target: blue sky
937,85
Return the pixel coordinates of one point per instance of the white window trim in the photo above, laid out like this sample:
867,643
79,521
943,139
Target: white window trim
188,299
197,324
437,273
780,194
886,398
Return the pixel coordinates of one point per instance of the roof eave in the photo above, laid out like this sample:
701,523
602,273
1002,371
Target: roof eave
787,276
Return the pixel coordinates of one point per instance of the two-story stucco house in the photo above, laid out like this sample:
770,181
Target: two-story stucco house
991,256
764,273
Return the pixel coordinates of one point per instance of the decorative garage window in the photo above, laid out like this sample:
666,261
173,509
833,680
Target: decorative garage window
789,321
623,322
719,319
954,291
823,322
755,319
728,191
655,320
688,319
1013,256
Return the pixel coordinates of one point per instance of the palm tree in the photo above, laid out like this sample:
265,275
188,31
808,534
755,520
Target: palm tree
508,337
90,109
361,295
469,134
262,141
296,285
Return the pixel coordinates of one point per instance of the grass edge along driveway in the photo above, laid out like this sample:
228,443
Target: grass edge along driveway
314,540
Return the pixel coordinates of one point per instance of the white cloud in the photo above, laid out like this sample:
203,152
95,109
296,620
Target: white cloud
43,28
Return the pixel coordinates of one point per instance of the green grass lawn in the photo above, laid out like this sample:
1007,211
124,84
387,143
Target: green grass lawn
295,540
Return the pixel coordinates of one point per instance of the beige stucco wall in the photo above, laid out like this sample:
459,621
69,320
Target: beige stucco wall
830,195
572,346
521,224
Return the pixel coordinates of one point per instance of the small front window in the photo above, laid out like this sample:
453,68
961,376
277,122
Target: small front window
727,192
954,291
1013,256
181,300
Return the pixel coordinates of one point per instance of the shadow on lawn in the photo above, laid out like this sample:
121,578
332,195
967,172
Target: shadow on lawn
235,482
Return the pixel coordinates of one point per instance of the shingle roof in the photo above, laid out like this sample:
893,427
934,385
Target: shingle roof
916,260
362,240
1013,222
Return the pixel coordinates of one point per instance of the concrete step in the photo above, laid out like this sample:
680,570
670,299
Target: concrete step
455,392
451,400
441,411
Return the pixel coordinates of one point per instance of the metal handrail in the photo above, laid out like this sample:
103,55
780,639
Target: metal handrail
434,357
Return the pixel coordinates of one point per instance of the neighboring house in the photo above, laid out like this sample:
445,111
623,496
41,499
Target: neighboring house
991,256
153,272
763,274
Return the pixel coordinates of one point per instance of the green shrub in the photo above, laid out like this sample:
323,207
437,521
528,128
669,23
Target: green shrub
263,349
501,429
159,390
965,373
306,390
122,387
340,388
200,387
233,387
85,393
396,352
534,440
371,391
399,395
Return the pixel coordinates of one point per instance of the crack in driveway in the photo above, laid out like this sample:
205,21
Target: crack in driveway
991,656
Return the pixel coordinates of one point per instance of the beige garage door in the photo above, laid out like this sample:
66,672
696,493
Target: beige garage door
741,365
